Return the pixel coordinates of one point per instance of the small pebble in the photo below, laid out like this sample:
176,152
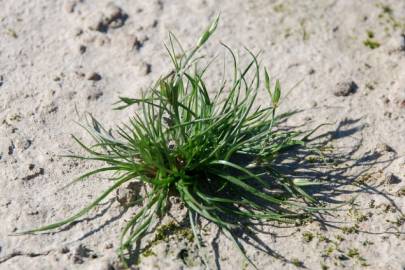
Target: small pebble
127,195
346,88
77,31
390,178
401,191
147,68
115,16
314,104
97,22
64,250
137,43
70,5
94,76
401,103
95,95
383,148
82,49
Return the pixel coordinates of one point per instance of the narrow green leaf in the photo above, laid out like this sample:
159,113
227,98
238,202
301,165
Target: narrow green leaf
277,94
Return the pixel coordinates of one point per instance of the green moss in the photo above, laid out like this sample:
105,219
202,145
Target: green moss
312,159
297,263
323,238
371,43
370,86
365,178
387,16
340,238
305,34
279,8
370,34
171,228
307,236
148,253
358,216
387,9
12,33
350,230
353,252
329,250
367,243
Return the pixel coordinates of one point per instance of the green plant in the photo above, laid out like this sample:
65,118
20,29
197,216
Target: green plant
371,43
217,154
307,236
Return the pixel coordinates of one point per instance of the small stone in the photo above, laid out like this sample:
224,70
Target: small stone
97,22
31,166
82,49
137,44
94,96
33,213
70,5
23,144
11,148
401,192
64,250
94,76
311,71
147,68
115,16
382,148
1,80
314,104
346,88
108,246
401,103
126,196
77,260
81,252
80,74
77,31
390,179
343,257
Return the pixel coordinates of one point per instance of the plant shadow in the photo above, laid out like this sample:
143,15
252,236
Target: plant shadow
338,171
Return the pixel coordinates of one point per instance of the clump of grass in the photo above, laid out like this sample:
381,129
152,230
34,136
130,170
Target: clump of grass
216,153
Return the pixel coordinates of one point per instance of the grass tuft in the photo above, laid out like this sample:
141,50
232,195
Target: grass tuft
216,153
